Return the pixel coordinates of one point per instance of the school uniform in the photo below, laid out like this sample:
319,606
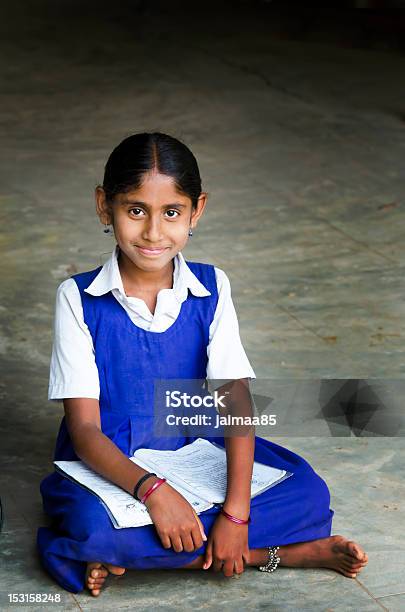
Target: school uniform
110,347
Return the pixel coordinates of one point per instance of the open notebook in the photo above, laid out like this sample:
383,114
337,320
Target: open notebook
197,471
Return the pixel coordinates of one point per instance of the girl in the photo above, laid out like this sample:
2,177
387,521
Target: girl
148,314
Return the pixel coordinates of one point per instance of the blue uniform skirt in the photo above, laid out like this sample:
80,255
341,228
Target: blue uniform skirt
296,510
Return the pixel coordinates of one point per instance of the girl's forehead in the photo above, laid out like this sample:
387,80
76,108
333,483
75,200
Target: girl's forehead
156,188
156,181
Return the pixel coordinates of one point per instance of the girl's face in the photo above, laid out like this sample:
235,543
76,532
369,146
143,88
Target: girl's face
151,223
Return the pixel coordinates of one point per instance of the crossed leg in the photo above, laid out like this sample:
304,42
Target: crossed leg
335,552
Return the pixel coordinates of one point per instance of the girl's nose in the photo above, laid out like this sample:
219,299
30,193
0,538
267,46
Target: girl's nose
152,230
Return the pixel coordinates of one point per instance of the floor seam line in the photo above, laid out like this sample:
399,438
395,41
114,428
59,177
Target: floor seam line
259,75
391,595
359,242
76,602
362,586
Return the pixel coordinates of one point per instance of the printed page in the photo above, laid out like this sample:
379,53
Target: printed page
201,467
124,510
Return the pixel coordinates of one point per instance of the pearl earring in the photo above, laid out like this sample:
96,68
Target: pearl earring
190,232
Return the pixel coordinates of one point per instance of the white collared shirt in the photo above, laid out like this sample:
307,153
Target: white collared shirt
73,369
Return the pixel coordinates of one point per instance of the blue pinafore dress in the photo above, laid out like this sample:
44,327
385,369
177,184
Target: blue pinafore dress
128,359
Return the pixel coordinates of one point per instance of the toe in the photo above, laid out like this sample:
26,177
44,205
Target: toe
355,550
99,572
360,565
348,573
95,577
352,565
355,568
115,569
348,567
351,560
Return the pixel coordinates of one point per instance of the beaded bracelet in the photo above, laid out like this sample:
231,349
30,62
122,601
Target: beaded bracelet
155,485
235,519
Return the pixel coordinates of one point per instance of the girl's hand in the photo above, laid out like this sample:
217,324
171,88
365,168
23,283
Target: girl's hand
227,547
175,520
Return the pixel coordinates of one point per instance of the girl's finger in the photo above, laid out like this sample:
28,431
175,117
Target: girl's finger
177,543
165,540
217,564
208,556
238,566
188,544
200,525
246,556
227,568
197,539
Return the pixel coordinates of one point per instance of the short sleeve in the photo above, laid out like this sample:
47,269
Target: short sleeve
73,369
226,356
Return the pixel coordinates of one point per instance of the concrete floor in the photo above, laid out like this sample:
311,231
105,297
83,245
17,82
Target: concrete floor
301,147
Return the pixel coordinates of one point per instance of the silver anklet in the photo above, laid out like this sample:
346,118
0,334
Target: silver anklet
273,561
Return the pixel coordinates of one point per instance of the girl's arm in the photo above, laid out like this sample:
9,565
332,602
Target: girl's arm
240,448
176,521
228,547
240,456
97,450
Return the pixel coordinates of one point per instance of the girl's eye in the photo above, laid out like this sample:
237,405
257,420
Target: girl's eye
171,215
136,211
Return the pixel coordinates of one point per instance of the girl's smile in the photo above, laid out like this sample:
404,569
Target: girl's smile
151,252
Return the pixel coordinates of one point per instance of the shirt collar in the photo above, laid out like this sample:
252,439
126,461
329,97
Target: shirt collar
184,279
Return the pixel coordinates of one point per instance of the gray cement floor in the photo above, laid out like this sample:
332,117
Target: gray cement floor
301,147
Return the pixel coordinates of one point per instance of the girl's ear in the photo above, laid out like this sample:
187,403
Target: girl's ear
102,207
198,211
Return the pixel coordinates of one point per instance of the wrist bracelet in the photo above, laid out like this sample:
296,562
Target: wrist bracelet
140,481
235,519
155,485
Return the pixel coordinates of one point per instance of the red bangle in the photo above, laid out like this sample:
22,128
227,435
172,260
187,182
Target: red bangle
235,519
155,485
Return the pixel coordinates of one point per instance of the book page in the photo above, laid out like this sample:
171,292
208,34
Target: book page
201,467
123,509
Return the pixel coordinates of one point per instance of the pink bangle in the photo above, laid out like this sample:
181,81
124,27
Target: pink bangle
155,485
235,519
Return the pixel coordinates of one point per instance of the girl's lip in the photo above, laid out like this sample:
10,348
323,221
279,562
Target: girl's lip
151,252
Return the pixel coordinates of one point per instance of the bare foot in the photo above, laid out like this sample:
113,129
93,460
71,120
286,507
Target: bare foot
335,552
96,574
